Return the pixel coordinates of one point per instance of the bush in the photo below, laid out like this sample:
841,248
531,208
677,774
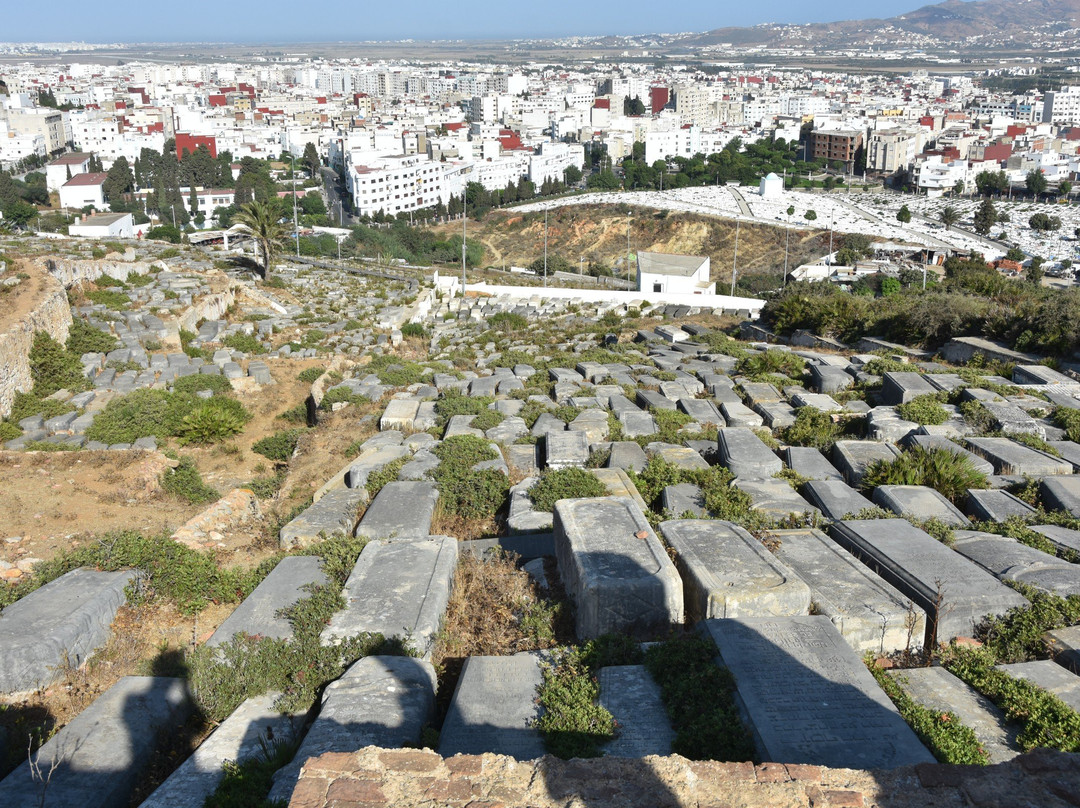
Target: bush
192,384
139,414
925,410
1069,420
184,482
245,343
213,420
488,419
771,363
28,404
813,427
1018,635
564,484
309,375
116,301
573,722
84,338
508,321
185,344
949,473
9,431
464,491
335,395
279,446
53,367
453,402
413,330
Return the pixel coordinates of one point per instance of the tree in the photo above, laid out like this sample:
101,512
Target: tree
810,215
633,106
1035,182
790,211
985,217
958,188
1014,254
949,216
903,215
311,159
263,222
987,182
1042,223
572,175
1064,187
1034,272
119,180
890,286
95,165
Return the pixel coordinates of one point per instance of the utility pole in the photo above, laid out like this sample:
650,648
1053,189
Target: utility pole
628,253
830,238
464,219
735,259
295,221
787,240
545,247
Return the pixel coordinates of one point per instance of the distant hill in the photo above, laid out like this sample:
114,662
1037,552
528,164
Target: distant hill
953,21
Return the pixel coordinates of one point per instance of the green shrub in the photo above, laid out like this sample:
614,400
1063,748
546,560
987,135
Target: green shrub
296,415
247,784
53,367
387,474
84,338
49,446
454,402
28,404
949,473
140,414
668,424
216,383
977,416
925,409
1017,636
568,483
413,330
1068,419
337,395
313,337
245,343
508,321
814,428
464,491
488,419
881,366
771,363
9,431
400,374
309,375
700,699
116,301
279,446
185,344
573,723
184,482
213,420
266,487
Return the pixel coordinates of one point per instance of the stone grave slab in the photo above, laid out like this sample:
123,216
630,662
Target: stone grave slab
808,696
371,461
102,752
995,506
955,593
258,614
829,379
1009,560
681,457
333,514
738,414
615,569
634,701
626,454
744,453
399,414
1051,677
636,423
682,498
918,501
1068,450
775,498
567,450
1065,539
885,424
776,414
651,400
900,388
461,425
523,516
702,411
1011,458
937,689
618,484
593,423
494,709
729,573
1061,494
819,401
810,463
760,392
835,498
238,738
852,457
400,509
1064,643
869,613
399,588
379,701
62,623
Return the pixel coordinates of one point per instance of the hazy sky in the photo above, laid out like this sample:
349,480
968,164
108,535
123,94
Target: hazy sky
339,20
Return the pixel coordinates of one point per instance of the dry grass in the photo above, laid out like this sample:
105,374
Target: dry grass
444,523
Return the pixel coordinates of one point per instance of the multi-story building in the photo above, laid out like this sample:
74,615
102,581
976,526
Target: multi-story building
890,149
836,145
395,184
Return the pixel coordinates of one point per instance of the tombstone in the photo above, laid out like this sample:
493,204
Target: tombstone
775,498
900,388
242,736
738,414
618,484
955,593
567,450
744,453
1064,644
634,700
372,460
1008,560
399,588
919,502
938,690
1040,374
995,506
383,701
494,709
614,568
1061,494
885,424
400,510
461,425
852,457
523,457
260,612
636,423
729,573
626,455
681,457
829,379
1014,459
61,624
333,514
683,498
647,399
523,516
819,401
702,411
594,423
835,498
546,423
102,752
810,463
1049,676
399,414
1065,539
869,613
809,697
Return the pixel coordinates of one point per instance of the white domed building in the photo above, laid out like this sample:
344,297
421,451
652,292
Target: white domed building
772,187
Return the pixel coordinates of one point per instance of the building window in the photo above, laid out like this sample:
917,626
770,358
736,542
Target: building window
657,287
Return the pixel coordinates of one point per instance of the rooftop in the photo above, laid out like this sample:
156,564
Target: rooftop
73,159
95,178
668,264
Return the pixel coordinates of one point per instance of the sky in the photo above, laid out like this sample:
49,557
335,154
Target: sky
341,20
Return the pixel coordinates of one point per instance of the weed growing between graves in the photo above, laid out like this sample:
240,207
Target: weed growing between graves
571,483
814,428
1029,440
1047,721
1016,527
925,410
1068,419
464,491
722,500
454,402
940,530
278,447
488,419
53,367
700,699
574,724
949,473
1017,636
245,785
942,733
387,474
183,415
336,395
309,375
84,338
759,367
184,482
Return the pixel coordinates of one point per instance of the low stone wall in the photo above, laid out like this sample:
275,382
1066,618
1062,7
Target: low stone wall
50,314
71,271
211,307
374,777
237,508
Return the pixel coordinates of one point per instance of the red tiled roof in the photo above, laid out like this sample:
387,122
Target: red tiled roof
96,178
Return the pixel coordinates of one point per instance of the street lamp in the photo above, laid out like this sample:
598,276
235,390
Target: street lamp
628,252
545,246
735,258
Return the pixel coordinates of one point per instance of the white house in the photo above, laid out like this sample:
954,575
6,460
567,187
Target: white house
674,274
104,225
84,189
65,167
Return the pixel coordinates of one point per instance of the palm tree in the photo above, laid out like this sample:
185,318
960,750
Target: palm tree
263,222
949,216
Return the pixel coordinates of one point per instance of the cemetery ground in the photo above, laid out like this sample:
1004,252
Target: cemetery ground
498,501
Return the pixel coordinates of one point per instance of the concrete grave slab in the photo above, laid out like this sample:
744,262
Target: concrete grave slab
401,510
775,498
810,463
1061,494
920,502
333,514
744,453
1049,676
634,701
626,455
1065,539
1011,458
1009,560
835,498
852,457
567,449
995,506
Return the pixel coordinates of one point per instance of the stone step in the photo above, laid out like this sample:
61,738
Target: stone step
937,689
